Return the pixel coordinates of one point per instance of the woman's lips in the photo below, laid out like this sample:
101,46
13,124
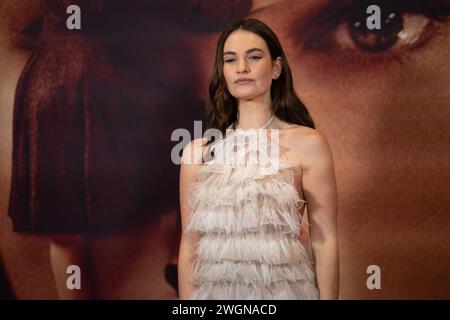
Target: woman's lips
241,82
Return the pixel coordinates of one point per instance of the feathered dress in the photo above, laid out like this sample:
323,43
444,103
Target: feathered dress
248,212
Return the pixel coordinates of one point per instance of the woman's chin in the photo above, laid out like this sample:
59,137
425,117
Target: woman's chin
245,97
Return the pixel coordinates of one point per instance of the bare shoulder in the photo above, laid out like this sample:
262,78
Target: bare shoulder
193,151
308,144
309,139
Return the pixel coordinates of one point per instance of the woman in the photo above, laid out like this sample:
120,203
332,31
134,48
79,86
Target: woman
247,246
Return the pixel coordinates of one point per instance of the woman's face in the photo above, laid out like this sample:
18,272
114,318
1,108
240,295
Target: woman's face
246,56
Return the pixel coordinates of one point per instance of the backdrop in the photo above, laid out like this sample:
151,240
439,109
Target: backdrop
86,117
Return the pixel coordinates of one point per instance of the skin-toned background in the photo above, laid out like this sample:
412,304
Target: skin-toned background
386,115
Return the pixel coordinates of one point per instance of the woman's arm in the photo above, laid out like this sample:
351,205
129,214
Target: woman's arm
190,163
319,187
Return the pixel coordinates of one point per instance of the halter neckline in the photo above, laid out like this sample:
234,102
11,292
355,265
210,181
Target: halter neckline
236,125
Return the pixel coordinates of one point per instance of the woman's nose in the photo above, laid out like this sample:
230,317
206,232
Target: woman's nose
242,66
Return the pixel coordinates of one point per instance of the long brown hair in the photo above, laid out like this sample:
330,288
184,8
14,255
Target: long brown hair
221,106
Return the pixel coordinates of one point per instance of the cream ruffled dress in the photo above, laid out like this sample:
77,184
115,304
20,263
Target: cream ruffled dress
249,215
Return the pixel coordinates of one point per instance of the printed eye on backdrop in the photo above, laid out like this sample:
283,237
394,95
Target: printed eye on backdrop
340,30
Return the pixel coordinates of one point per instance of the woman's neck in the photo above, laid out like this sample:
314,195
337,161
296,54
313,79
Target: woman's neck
252,114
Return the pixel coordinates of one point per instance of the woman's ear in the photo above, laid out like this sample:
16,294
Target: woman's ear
277,68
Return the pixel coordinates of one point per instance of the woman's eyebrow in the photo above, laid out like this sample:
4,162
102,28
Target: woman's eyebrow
248,51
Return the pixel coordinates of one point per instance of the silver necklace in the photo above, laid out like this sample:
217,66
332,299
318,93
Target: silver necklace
263,127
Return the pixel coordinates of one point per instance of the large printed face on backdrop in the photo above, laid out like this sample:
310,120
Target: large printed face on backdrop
381,98
383,101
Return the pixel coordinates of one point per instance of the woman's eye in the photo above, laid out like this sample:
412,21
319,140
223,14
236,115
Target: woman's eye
404,25
400,32
28,37
230,60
